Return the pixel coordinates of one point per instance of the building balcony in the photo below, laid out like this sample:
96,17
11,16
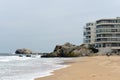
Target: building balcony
87,31
107,32
87,34
113,48
102,23
107,41
102,28
108,37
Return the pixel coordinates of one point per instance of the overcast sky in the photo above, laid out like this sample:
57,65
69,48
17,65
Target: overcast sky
41,24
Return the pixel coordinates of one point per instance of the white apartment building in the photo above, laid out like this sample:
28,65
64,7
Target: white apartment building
103,33
90,33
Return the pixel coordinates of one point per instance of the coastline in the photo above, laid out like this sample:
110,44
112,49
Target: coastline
88,68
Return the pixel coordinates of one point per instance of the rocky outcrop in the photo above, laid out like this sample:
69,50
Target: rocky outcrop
23,51
70,50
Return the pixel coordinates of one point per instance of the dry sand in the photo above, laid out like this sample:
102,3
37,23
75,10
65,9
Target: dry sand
89,68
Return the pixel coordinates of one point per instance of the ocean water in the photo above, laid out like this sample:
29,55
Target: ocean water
27,68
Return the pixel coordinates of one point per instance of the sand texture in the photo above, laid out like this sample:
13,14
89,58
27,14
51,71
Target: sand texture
89,68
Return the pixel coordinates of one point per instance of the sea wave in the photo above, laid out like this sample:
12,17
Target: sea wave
28,68
12,58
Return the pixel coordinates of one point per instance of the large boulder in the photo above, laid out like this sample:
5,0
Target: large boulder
63,50
23,51
85,50
70,50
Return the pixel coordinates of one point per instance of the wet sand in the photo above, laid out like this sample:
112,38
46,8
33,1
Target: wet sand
89,68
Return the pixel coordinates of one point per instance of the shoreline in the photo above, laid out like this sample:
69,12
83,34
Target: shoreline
88,68
65,64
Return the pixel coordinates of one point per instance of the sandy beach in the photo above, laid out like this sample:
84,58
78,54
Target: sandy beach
89,68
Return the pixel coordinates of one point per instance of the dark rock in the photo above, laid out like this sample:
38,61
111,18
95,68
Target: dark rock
23,51
20,55
28,55
70,50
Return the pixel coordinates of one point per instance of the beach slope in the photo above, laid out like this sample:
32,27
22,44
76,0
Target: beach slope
89,68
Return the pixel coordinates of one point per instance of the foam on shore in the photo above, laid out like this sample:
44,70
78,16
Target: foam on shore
27,68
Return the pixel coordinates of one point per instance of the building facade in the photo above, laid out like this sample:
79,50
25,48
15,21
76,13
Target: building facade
89,33
103,33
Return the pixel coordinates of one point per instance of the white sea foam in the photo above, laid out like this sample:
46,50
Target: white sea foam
27,68
12,58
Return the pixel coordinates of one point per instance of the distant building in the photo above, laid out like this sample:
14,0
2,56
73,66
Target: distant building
103,33
89,33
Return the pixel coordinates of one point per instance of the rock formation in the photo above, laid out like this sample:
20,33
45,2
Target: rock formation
23,51
70,50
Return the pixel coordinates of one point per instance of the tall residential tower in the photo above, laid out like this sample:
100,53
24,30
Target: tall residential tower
103,33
